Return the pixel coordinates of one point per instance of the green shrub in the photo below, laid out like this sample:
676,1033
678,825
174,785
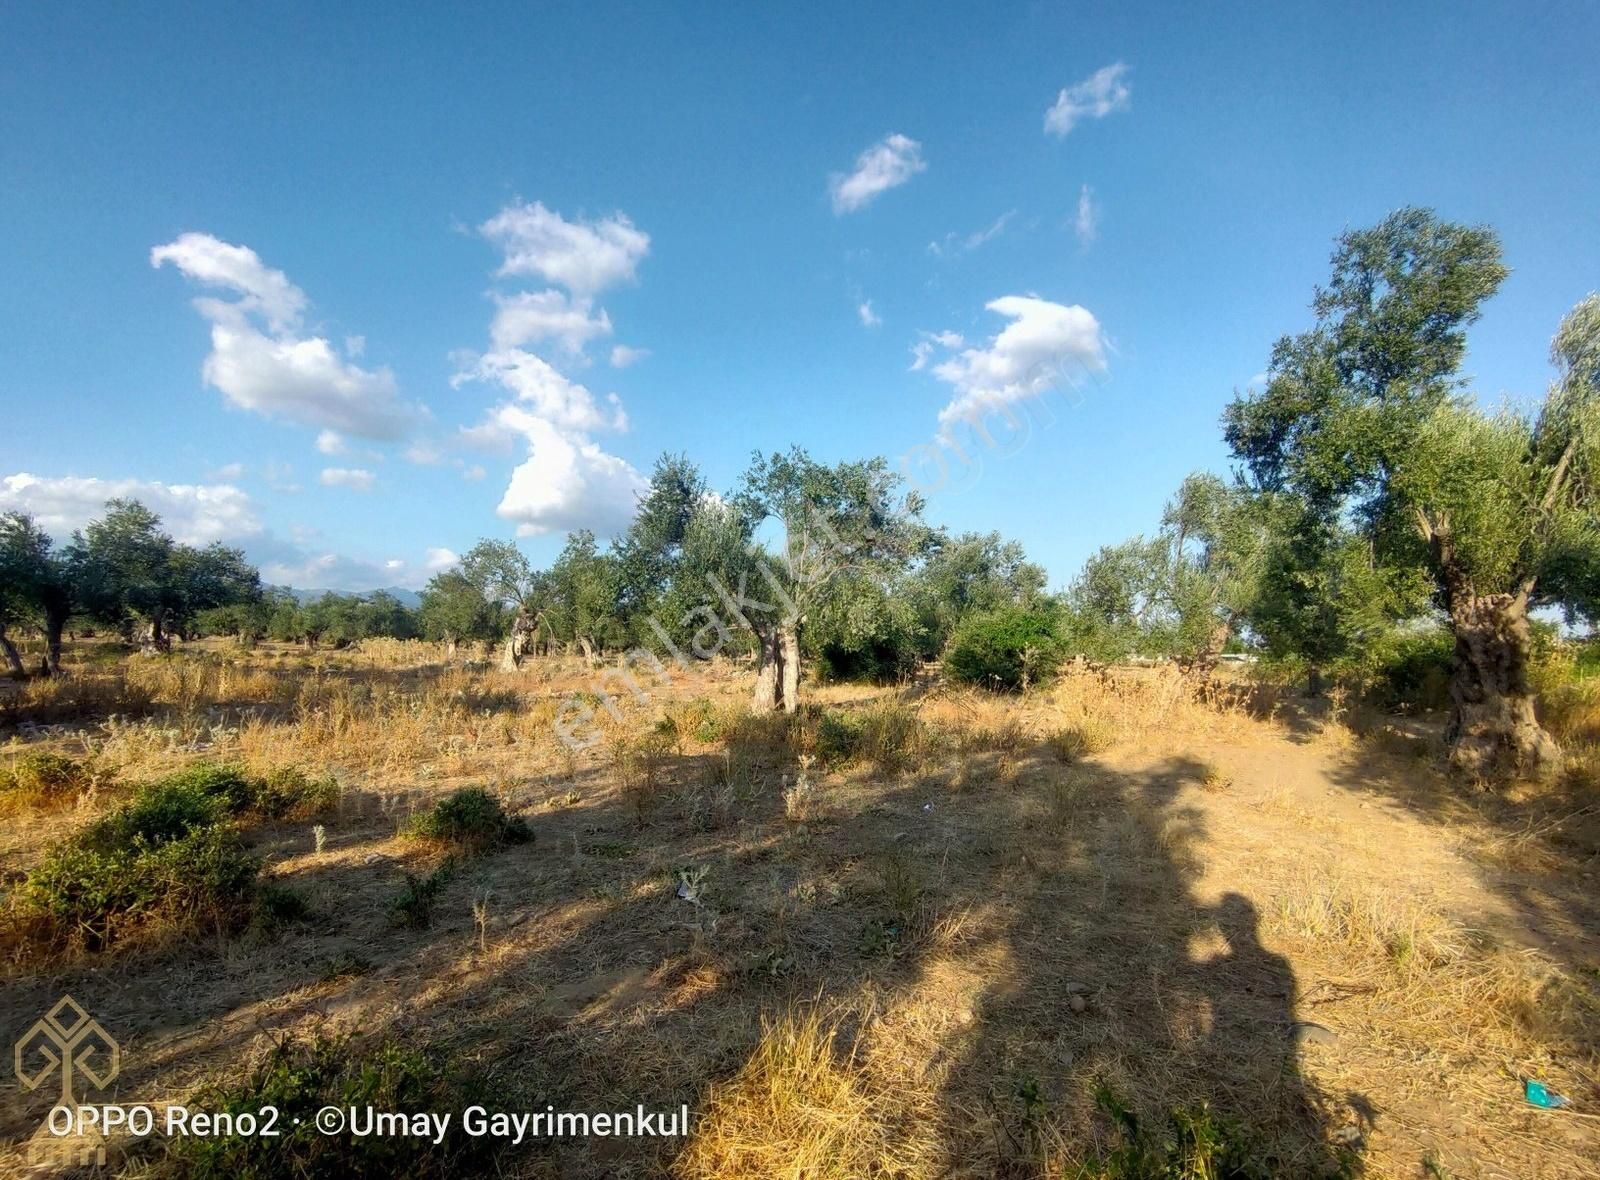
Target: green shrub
1197,1143
285,793
838,737
276,906
471,820
1414,671
299,1077
170,856
1007,649
46,780
414,906
165,863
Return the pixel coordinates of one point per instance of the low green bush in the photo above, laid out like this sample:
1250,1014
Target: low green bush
169,864
1005,649
414,906
471,820
46,780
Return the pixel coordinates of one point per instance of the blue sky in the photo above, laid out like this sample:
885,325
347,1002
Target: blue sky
426,229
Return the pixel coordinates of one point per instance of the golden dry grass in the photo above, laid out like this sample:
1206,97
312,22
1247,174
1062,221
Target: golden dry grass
1128,879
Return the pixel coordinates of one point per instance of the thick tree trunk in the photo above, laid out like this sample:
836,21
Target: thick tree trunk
9,651
153,640
55,622
586,646
524,634
1493,730
778,672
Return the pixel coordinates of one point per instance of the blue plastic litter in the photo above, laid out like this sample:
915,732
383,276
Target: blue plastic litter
1538,1095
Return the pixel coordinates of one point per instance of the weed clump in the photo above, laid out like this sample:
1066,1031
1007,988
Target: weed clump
46,781
414,906
166,858
470,820
1196,1143
169,858
1083,739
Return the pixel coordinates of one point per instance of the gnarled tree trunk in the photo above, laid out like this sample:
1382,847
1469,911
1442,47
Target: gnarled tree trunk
524,634
153,640
55,622
778,672
9,651
1493,730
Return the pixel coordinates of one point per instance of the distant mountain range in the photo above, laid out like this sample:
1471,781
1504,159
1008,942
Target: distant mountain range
408,598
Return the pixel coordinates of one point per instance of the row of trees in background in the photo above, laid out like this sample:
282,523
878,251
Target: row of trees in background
1374,500
122,571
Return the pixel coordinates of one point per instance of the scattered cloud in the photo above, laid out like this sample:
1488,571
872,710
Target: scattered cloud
530,317
868,317
260,358
539,389
1045,345
1086,222
474,473
357,479
196,514
923,348
887,164
331,442
438,559
1097,96
227,472
567,483
424,454
954,243
583,256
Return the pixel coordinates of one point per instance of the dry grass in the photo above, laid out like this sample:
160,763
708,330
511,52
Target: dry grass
1005,901
801,1106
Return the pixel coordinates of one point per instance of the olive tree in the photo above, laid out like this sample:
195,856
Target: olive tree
1364,418
846,519
1504,506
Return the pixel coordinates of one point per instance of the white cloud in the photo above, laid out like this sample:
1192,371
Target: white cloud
331,442
438,559
623,357
424,454
1044,345
954,243
357,479
583,256
354,346
868,317
196,514
533,316
280,372
474,473
883,166
1086,222
542,391
215,263
227,472
568,482
923,349
1097,96
284,564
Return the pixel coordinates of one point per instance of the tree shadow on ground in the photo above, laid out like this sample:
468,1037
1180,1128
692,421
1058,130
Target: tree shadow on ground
1018,931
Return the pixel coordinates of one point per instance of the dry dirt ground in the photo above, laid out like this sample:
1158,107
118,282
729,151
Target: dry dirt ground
994,904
